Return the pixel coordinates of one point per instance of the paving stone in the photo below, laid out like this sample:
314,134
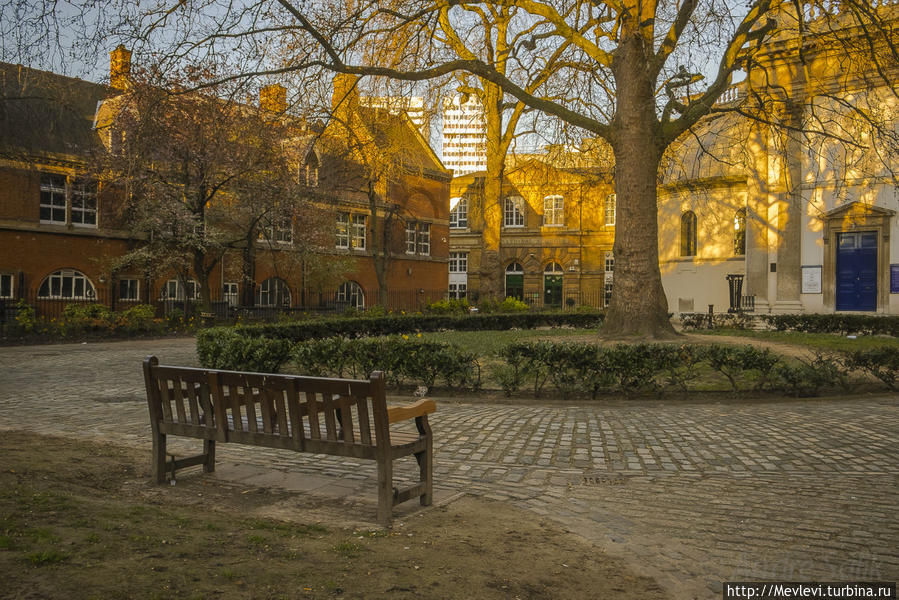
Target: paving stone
696,494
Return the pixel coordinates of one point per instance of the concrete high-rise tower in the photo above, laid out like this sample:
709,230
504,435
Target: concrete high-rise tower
464,135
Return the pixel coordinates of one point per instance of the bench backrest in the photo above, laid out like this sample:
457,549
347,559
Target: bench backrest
312,414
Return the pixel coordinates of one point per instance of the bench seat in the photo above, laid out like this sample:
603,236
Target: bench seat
317,415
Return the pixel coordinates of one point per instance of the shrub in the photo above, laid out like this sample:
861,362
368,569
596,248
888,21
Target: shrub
403,359
734,361
835,323
451,306
87,317
511,305
635,366
220,348
808,377
138,318
26,317
882,363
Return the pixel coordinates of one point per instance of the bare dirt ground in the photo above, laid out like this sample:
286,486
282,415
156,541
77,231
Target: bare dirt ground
82,520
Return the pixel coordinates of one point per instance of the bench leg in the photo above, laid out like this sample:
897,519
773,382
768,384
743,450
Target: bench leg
425,469
159,457
385,491
209,453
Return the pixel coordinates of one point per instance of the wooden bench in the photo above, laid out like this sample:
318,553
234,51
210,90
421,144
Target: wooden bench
343,417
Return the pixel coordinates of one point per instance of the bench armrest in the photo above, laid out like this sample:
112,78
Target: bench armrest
421,408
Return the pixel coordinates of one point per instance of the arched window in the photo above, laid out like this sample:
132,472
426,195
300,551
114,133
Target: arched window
458,213
740,232
67,284
352,293
310,170
688,234
553,210
273,292
515,281
610,209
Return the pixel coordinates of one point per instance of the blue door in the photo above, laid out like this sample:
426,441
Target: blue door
856,271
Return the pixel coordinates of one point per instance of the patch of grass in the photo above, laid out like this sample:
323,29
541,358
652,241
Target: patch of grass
46,557
812,341
257,541
6,542
348,549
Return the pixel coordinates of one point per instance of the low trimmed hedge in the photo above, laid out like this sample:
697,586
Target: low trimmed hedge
570,368
835,323
390,325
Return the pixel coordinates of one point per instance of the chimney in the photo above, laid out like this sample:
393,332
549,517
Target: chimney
273,98
120,68
345,96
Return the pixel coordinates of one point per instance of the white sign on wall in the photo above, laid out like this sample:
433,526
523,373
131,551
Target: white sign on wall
811,279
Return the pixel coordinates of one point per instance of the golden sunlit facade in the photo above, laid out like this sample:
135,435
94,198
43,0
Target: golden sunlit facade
557,228
799,202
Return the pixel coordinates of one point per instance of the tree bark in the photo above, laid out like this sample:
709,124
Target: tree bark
639,306
492,285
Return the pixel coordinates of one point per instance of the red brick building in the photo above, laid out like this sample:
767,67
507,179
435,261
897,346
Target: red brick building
61,227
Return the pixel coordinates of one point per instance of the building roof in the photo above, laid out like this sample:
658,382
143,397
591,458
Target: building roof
47,115
398,133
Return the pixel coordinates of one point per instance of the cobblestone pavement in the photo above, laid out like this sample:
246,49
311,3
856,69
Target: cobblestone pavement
694,494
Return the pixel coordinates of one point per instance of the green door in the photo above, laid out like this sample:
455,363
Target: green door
552,290
515,286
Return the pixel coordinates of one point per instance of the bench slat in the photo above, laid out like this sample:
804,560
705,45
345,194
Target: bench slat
164,399
312,409
193,404
328,408
296,418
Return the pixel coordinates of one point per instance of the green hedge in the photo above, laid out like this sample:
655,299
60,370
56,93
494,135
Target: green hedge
835,323
375,326
570,368
404,360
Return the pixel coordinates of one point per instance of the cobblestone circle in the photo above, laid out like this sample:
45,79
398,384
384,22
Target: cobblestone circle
694,494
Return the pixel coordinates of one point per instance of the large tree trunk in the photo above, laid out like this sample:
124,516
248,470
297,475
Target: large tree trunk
491,272
639,306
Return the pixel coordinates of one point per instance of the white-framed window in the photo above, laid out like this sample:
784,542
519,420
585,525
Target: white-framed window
352,293
60,196
418,238
279,229
129,289
610,261
359,231
458,262
7,285
343,230
458,291
607,293
84,203
611,200
410,237
230,293
67,284
553,210
53,199
513,211
458,213
175,290
273,292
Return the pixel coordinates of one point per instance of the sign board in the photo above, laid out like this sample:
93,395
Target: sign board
811,279
894,279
